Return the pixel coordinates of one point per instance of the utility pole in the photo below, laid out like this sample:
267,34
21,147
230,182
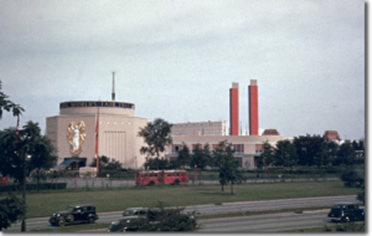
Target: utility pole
23,177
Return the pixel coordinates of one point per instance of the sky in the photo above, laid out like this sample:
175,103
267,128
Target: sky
177,59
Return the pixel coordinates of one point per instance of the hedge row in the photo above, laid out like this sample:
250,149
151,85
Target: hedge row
33,186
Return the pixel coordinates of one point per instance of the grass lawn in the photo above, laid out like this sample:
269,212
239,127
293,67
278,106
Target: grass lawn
45,203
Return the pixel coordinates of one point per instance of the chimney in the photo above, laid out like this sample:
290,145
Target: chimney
253,107
234,109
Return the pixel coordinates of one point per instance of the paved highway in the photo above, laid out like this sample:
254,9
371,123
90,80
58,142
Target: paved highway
266,223
212,209
252,206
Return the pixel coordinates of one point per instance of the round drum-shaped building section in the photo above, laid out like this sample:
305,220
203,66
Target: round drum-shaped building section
84,128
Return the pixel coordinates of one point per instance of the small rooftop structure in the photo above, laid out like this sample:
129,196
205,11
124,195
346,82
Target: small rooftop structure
331,135
270,132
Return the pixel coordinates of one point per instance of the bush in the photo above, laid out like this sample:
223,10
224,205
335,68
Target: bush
30,187
114,174
351,179
11,210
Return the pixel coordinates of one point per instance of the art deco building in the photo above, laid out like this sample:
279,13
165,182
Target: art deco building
74,132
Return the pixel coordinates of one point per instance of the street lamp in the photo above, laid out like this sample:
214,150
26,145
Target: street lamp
23,169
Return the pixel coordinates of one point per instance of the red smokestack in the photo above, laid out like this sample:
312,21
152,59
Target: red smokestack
253,107
234,109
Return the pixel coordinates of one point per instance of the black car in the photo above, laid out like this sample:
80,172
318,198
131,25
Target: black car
153,220
75,214
346,212
136,211
127,223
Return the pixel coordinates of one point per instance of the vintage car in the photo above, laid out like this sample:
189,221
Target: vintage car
75,214
346,212
136,211
156,219
127,223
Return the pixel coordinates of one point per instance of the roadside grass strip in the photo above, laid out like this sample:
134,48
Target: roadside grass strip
44,204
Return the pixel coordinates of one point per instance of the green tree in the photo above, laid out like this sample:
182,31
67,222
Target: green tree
10,151
267,155
156,135
114,165
184,157
39,150
156,164
206,157
228,166
13,163
11,210
346,155
285,154
311,150
10,160
332,151
106,164
22,152
201,157
358,145
359,151
362,195
351,178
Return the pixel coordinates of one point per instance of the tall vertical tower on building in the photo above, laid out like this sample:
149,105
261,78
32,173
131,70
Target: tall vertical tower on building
113,86
253,107
234,109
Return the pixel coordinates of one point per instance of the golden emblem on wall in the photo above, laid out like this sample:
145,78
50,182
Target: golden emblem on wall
76,137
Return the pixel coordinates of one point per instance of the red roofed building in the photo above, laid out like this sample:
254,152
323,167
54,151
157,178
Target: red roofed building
332,135
270,132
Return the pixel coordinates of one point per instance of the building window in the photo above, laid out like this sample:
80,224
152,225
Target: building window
215,146
176,148
259,148
238,148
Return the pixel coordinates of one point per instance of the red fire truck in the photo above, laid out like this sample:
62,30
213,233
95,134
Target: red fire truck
155,177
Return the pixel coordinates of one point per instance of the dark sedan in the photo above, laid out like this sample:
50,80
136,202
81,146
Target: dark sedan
124,224
346,212
75,214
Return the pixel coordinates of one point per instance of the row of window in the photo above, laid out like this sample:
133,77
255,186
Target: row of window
238,148
152,175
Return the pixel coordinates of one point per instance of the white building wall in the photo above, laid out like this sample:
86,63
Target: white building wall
209,128
118,134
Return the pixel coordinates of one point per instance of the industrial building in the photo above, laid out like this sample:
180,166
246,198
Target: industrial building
247,147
